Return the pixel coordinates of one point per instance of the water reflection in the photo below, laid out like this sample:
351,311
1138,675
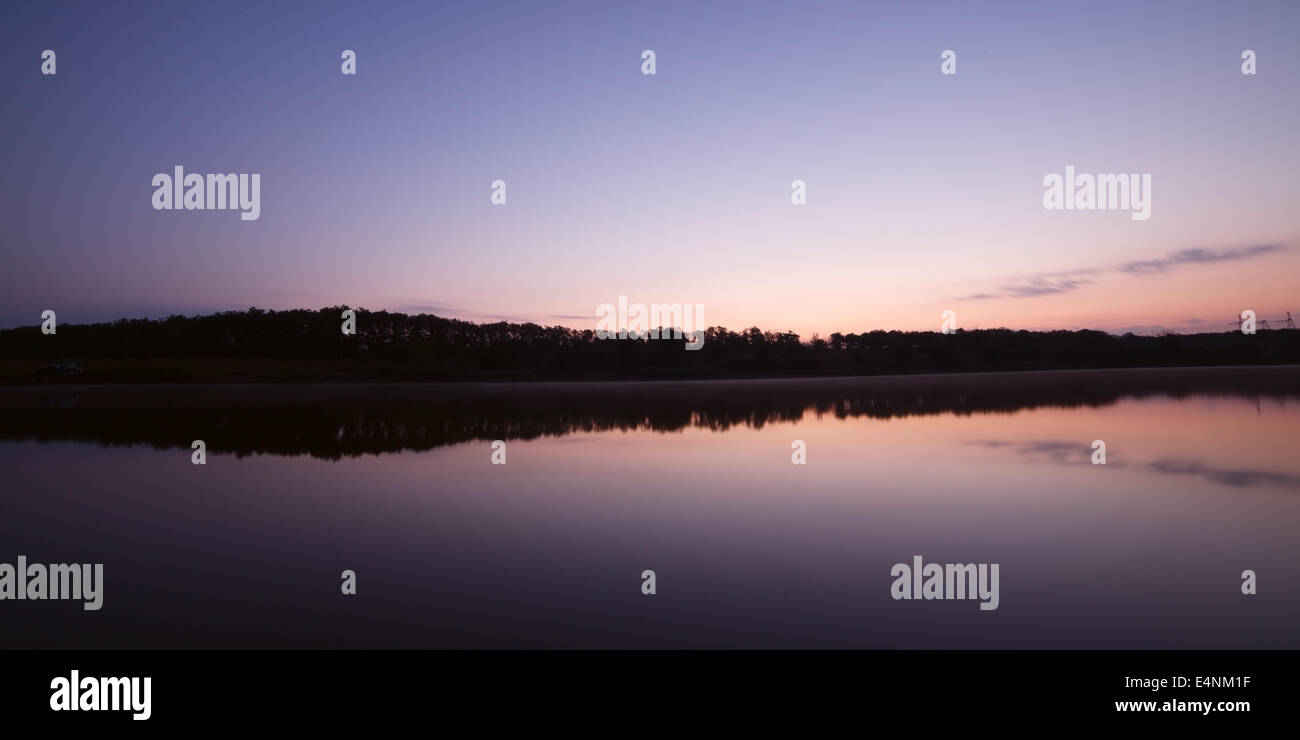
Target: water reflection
1073,453
339,421
607,480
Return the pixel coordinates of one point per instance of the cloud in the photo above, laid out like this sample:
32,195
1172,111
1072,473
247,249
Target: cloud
448,311
1043,285
1143,329
1055,283
441,309
1037,285
1196,256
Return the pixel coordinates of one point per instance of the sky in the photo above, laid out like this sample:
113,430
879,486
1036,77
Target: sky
924,190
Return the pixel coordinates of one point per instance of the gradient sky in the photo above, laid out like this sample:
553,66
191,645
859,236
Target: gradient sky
925,191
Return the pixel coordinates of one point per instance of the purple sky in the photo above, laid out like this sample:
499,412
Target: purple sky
924,190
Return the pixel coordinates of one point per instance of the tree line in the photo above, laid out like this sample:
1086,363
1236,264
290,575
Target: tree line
424,346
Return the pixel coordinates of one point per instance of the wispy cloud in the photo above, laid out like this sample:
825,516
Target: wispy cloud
1142,329
450,311
1055,283
1190,323
1038,285
1196,256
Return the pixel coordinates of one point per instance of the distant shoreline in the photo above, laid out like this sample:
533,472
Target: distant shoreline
305,346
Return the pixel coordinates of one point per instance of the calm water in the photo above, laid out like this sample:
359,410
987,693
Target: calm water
693,480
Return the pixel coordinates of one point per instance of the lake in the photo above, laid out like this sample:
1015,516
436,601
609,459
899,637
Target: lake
693,480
